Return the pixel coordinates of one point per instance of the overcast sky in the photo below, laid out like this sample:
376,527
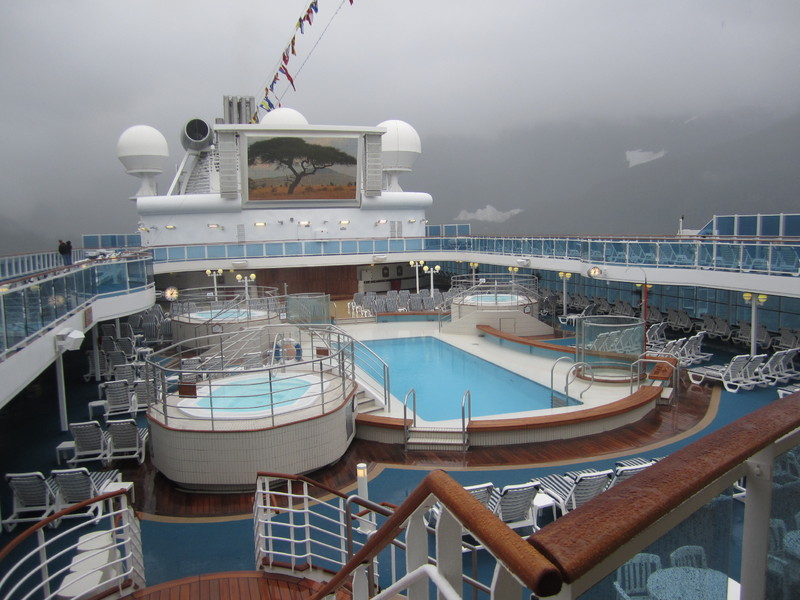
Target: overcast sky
76,74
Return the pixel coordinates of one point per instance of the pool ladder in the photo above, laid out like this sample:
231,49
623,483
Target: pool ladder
417,437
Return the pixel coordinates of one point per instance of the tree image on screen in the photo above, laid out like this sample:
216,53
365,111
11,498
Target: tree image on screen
297,159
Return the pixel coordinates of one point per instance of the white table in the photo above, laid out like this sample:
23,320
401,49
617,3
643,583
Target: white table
65,449
687,583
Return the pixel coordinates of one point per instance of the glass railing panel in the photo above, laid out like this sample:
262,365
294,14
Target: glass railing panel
701,554
312,248
783,555
381,245
642,253
48,300
728,257
293,248
111,277
179,252
596,251
785,259
14,317
254,250
332,247
137,274
216,251
537,247
397,245
705,255
196,252
275,249
616,252
413,244
349,247
755,257
160,254
235,251
33,309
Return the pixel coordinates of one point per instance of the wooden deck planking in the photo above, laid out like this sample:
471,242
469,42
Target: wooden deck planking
156,495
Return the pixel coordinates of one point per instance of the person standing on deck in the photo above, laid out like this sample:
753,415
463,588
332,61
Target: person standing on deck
68,252
62,250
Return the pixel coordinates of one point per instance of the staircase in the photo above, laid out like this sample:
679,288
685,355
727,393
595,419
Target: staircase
436,438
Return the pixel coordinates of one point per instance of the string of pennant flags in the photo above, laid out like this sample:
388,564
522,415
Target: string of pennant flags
306,19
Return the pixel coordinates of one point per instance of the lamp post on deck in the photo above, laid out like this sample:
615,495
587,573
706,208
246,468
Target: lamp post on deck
431,270
474,266
754,300
214,275
247,279
565,276
416,264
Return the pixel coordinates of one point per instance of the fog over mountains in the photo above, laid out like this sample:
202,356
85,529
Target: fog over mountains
575,178
568,178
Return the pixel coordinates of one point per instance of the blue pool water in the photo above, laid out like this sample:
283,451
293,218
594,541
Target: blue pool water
440,374
251,397
229,314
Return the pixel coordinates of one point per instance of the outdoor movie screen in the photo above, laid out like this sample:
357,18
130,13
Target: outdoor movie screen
289,169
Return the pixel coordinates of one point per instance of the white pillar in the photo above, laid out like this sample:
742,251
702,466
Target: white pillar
62,393
755,531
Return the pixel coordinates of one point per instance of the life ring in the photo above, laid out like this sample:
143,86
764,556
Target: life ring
292,349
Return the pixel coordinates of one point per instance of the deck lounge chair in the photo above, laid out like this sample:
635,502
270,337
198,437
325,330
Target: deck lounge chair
514,504
127,440
691,352
119,398
570,492
623,472
738,374
778,368
91,443
73,486
482,492
33,499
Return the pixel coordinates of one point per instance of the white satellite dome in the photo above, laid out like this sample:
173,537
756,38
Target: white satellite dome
400,144
283,116
142,149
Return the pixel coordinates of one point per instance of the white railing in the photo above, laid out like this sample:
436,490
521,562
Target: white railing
562,560
79,560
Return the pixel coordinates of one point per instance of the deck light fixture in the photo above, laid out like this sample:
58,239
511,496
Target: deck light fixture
754,300
214,274
474,266
246,279
416,264
432,271
169,227
381,222
260,224
304,223
215,226
565,277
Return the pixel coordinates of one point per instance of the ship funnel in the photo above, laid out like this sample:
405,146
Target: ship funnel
196,135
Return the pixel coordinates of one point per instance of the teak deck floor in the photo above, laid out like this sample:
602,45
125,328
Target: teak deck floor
157,496
163,499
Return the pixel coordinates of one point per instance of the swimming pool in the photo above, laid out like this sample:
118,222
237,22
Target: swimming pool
441,373
228,314
495,299
252,396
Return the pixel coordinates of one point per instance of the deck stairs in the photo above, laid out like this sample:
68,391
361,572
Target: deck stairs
367,403
436,438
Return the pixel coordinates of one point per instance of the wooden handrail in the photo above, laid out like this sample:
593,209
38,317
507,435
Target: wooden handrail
526,563
580,540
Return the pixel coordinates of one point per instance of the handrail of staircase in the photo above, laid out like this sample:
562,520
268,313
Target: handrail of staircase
528,565
413,394
466,417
